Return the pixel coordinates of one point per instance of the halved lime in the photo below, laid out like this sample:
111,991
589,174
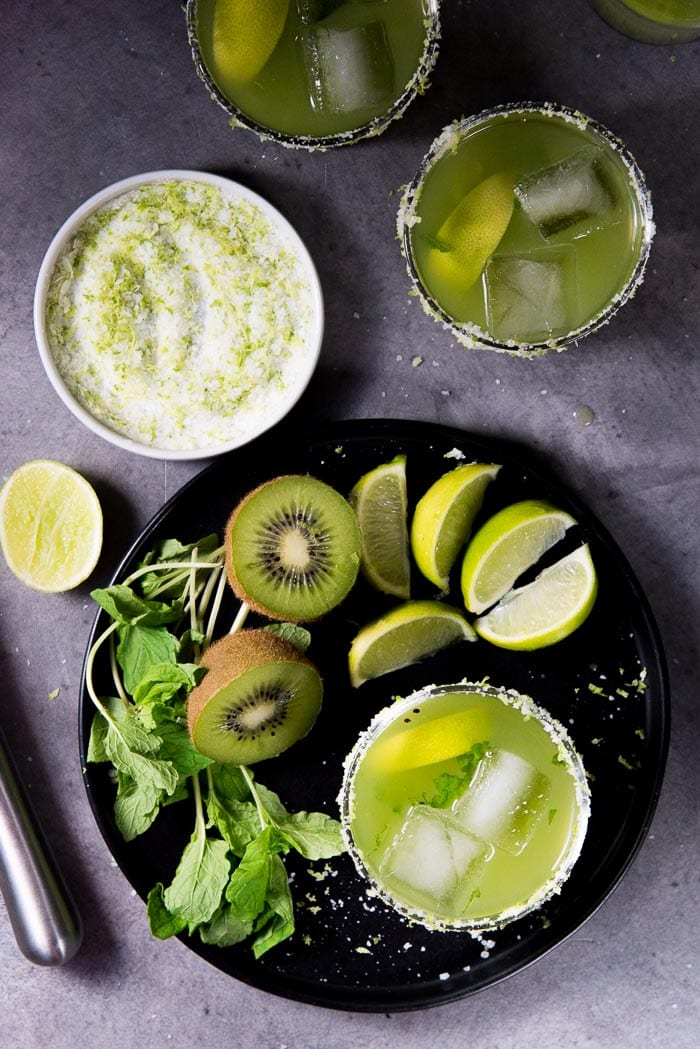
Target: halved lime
472,231
508,543
438,740
380,501
403,636
245,33
547,610
50,526
443,519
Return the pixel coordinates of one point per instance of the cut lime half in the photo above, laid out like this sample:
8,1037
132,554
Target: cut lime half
245,33
427,744
443,519
50,526
547,610
509,543
403,636
380,501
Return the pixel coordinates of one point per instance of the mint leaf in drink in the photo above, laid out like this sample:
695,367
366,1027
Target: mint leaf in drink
450,786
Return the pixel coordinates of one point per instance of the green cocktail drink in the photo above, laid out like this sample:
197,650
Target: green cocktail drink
314,73
653,21
526,228
465,806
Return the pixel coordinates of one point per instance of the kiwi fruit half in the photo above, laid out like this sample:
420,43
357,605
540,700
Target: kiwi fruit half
293,548
259,696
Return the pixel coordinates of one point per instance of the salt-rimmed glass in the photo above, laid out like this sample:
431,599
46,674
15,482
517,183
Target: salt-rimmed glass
416,85
472,334
650,21
566,757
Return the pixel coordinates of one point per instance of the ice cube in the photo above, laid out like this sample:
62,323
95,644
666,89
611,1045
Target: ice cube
531,297
435,860
348,69
572,197
504,801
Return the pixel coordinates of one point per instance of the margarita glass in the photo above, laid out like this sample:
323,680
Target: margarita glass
465,806
526,228
339,71
653,21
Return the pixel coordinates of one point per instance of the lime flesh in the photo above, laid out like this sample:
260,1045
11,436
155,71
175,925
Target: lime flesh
438,740
380,501
547,610
443,519
50,526
403,636
246,32
507,545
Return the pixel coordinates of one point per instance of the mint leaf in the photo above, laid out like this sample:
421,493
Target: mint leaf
162,923
229,784
313,834
280,908
225,929
136,805
297,635
140,648
163,681
237,822
448,786
177,748
194,895
128,609
247,889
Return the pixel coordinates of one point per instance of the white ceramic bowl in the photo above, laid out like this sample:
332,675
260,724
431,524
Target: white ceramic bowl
301,371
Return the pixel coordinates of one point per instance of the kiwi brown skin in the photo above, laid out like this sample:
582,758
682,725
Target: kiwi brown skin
234,582
232,656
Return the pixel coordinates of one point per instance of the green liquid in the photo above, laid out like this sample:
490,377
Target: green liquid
653,21
505,877
280,97
597,264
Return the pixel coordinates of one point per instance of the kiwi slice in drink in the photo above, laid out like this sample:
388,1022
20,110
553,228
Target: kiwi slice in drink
259,696
293,548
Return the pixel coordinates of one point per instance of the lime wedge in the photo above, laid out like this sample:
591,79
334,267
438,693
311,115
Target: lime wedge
472,231
443,518
380,501
403,636
245,34
50,526
508,543
547,610
427,744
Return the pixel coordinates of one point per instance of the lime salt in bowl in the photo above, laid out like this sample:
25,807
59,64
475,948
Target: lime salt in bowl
314,74
465,806
526,228
178,314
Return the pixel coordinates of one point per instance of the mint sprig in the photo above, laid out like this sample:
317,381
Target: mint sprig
231,882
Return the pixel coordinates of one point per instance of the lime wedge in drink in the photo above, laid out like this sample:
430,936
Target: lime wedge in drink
427,744
245,34
547,610
380,501
508,543
50,526
472,231
403,636
443,518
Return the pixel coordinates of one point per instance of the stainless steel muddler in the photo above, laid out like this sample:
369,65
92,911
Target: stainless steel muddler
44,918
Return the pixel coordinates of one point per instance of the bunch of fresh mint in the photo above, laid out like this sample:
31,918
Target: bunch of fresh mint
231,882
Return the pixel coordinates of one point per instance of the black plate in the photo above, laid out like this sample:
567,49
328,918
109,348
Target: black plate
606,683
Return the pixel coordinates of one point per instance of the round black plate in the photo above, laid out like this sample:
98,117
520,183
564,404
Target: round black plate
606,683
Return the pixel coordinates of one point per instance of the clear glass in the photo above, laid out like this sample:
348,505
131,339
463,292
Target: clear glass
375,799
198,14
517,137
653,21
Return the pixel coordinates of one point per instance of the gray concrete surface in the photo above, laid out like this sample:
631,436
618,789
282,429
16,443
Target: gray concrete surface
90,93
